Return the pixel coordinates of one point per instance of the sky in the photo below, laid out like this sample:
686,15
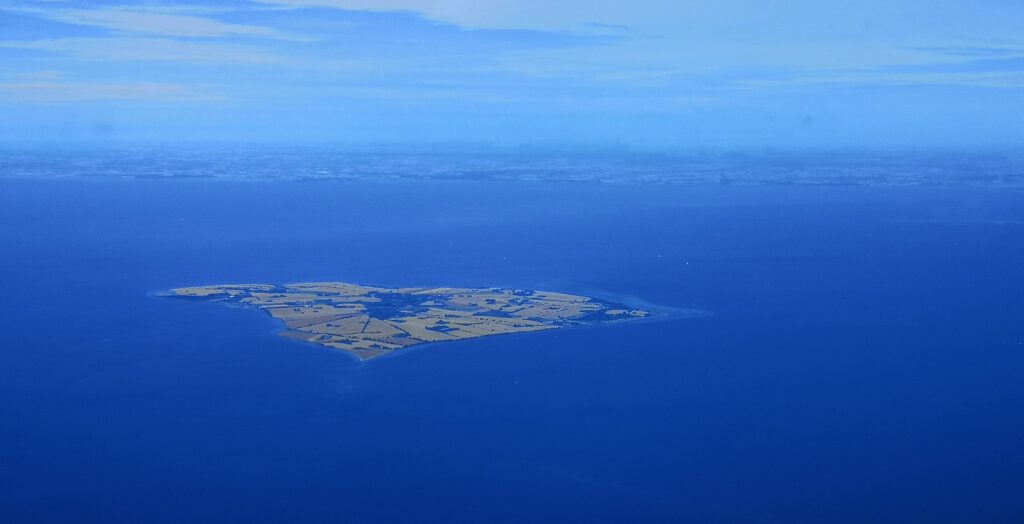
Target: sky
647,73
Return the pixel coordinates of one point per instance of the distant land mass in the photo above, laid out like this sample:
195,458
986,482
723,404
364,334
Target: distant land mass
996,168
370,322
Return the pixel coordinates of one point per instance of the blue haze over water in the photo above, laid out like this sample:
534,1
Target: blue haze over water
863,363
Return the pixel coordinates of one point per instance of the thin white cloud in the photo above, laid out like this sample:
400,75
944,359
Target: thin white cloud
655,60
155,21
710,23
500,14
369,5
470,14
160,23
46,74
42,91
999,80
524,99
144,49
710,42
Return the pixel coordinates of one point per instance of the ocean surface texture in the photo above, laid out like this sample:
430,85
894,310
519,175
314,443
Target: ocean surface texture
863,361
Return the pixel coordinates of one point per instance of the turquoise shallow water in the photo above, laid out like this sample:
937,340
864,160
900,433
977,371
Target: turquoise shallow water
862,362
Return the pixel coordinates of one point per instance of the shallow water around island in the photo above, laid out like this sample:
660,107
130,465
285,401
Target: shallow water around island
862,364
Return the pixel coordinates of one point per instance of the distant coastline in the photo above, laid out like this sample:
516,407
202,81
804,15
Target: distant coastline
312,164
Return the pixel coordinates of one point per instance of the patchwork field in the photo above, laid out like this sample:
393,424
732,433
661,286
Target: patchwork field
369,322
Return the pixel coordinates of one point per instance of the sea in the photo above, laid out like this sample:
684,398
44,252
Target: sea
859,358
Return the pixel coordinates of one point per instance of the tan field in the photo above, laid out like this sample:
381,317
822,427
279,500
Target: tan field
370,322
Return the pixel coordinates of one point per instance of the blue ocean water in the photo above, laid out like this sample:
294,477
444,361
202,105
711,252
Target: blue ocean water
862,364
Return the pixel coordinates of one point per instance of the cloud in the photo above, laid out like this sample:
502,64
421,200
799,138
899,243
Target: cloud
524,100
974,51
144,49
52,91
718,20
159,23
492,14
995,80
46,74
565,64
371,5
154,21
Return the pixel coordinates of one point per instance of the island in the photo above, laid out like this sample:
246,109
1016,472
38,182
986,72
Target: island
369,321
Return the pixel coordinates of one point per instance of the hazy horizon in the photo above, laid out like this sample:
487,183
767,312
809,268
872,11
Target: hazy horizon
655,74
